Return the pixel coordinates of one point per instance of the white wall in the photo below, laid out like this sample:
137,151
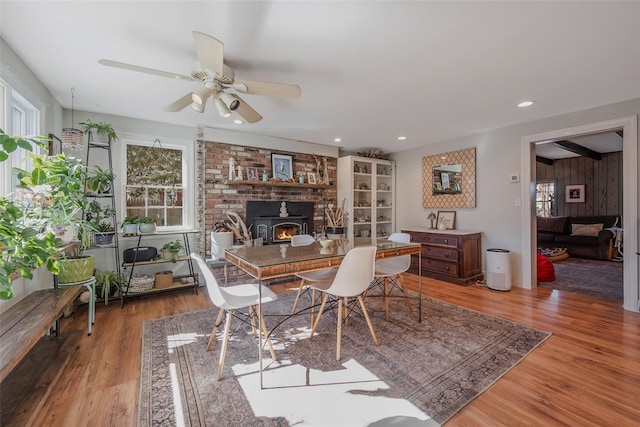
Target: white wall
498,155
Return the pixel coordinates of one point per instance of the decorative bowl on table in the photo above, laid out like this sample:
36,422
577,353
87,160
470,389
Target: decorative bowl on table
326,244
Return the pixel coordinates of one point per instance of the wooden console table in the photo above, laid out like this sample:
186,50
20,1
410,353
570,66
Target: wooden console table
449,255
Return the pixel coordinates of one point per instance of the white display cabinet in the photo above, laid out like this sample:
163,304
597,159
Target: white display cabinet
368,186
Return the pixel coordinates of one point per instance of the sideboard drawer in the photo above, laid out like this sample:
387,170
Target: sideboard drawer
439,253
440,266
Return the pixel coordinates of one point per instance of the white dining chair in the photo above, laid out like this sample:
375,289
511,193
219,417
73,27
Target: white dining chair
389,271
230,300
351,279
311,276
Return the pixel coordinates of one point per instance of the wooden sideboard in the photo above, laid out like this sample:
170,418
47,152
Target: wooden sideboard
450,255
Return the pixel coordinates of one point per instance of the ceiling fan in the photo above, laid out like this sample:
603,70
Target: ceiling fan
216,78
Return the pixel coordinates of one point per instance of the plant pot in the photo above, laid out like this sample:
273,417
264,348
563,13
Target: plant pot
74,270
99,138
104,238
220,241
334,233
128,229
146,228
169,256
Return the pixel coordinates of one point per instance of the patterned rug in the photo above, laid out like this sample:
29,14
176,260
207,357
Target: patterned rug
420,374
597,278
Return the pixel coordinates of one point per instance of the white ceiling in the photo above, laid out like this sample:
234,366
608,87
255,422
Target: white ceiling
369,71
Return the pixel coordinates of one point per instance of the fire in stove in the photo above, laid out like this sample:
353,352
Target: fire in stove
283,233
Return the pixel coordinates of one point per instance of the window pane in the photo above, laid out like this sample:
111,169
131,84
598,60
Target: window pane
154,184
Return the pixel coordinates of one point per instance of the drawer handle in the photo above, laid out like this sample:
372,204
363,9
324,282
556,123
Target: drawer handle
446,240
446,268
446,255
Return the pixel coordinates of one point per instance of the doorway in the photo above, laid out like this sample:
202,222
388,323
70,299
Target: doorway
630,197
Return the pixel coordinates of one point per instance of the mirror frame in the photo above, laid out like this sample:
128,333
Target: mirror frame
467,198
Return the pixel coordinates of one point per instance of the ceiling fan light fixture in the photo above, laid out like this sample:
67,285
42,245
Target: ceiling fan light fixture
231,102
223,111
200,97
197,107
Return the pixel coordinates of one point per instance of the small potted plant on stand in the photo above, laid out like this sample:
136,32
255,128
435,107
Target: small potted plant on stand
101,181
130,225
99,217
170,250
101,133
147,225
107,284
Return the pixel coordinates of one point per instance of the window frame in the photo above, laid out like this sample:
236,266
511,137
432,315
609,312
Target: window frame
188,178
553,208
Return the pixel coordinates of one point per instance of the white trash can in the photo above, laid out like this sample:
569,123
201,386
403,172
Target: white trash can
498,269
220,241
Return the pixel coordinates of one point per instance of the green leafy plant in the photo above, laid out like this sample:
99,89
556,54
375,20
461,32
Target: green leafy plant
100,128
147,220
105,227
96,214
101,181
172,248
130,220
9,143
107,282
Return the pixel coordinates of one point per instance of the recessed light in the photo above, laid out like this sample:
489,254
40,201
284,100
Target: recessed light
402,138
337,140
237,121
525,104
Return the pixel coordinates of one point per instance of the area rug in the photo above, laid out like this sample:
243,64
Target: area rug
596,278
420,373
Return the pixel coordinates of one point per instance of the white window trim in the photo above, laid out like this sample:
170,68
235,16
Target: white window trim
188,173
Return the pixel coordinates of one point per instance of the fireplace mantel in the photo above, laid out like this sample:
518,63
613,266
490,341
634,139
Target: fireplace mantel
276,184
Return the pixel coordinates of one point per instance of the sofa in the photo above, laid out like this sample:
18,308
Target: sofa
583,237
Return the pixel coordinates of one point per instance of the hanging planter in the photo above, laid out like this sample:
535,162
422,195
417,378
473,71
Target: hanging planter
72,138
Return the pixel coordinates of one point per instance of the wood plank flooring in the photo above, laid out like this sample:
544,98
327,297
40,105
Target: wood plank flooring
586,374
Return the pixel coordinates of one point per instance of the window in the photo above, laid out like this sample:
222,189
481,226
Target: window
21,118
156,183
545,198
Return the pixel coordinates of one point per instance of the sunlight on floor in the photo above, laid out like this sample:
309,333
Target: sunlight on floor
177,401
314,398
179,340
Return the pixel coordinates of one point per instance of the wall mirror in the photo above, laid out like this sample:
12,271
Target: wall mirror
449,180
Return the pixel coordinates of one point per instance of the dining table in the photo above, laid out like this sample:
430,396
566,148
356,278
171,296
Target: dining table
282,260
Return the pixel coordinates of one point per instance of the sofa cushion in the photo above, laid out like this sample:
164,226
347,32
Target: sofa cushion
586,229
564,240
547,237
552,224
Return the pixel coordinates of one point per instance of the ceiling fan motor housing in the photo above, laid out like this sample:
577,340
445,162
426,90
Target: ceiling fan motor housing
203,75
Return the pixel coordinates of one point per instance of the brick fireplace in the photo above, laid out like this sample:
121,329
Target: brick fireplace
218,196
265,220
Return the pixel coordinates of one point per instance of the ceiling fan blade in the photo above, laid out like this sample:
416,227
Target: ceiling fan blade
280,90
247,113
210,52
179,104
139,69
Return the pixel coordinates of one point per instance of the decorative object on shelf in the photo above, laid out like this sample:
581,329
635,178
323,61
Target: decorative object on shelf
252,174
446,220
164,279
100,132
282,166
71,137
265,176
140,283
431,217
147,225
372,154
239,175
283,210
311,177
574,194
336,220
232,169
170,250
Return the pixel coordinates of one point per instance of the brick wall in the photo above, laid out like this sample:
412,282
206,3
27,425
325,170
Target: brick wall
218,197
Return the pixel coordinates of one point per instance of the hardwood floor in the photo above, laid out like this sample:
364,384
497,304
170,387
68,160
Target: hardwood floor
586,374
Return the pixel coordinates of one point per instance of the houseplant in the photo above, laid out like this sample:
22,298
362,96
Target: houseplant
100,217
101,181
107,284
170,250
147,225
129,225
100,131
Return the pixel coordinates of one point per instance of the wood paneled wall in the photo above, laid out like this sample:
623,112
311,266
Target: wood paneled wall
602,180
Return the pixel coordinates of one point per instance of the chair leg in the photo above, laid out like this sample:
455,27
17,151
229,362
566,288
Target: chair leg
315,324
407,299
366,316
339,331
295,302
212,339
385,287
313,303
252,318
346,313
266,334
223,352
